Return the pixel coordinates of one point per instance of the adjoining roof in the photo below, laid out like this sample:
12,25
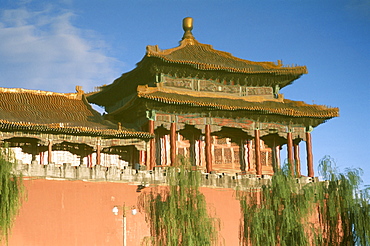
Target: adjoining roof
60,129
282,107
35,110
43,107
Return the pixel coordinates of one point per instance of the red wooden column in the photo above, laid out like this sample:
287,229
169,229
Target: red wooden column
242,157
98,154
309,154
257,149
133,157
34,152
173,143
290,153
249,159
274,156
41,158
89,160
151,146
208,148
278,148
142,155
199,151
50,150
297,160
193,150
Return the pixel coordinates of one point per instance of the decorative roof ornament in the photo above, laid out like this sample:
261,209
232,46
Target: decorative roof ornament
202,60
187,25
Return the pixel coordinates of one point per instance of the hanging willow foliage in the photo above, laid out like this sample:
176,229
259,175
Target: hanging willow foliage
344,209
11,192
334,212
178,215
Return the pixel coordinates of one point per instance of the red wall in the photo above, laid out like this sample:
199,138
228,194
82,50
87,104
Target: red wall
59,212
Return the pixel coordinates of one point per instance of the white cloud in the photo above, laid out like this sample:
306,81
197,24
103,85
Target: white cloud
43,50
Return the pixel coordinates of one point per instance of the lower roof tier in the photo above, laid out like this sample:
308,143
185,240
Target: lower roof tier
281,106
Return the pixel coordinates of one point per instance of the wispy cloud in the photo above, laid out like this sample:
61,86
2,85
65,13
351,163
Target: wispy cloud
44,50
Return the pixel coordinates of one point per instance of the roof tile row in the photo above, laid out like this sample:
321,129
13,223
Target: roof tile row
59,113
284,107
203,56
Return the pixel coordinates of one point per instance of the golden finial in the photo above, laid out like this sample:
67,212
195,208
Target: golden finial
187,25
79,90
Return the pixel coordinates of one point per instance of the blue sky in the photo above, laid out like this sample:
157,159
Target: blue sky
56,45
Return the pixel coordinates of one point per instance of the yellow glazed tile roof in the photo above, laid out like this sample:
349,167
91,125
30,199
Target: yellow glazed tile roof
204,57
61,129
43,111
282,107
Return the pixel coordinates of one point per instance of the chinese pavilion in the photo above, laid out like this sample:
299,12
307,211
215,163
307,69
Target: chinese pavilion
48,127
223,112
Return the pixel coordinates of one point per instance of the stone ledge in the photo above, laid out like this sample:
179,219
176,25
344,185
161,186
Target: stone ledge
141,177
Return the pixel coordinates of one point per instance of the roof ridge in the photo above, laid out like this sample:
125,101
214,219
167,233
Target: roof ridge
154,50
40,92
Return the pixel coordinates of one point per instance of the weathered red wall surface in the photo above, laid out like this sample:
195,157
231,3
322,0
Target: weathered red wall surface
80,213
